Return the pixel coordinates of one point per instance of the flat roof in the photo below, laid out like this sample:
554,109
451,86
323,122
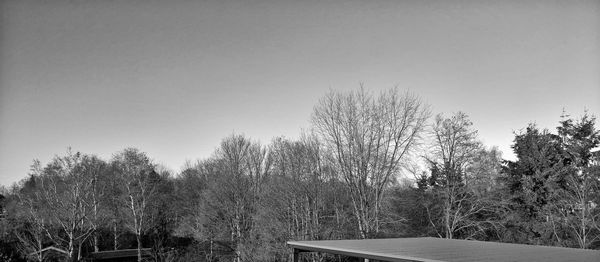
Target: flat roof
429,249
121,253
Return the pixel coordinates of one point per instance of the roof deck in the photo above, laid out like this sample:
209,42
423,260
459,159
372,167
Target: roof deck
437,250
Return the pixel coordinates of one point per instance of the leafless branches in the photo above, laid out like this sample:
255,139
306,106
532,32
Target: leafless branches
370,137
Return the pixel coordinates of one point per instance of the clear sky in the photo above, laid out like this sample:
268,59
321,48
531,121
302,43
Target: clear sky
174,77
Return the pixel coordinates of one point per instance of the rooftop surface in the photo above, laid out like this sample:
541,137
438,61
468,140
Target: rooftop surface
450,250
122,253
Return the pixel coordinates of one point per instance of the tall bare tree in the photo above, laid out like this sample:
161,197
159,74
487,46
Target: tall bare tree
32,228
455,146
139,180
96,170
236,173
300,184
370,137
66,190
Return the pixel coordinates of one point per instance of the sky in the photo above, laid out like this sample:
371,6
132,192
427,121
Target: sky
173,78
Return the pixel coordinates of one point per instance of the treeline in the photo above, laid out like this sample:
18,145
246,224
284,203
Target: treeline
372,166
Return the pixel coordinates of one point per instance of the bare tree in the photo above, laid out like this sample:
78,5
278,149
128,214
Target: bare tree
235,176
96,170
484,170
577,211
301,176
455,144
370,137
32,230
65,189
299,190
114,203
454,148
59,204
138,179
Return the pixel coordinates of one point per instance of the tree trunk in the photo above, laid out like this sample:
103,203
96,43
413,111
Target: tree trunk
447,221
359,219
79,251
96,249
211,248
40,255
139,246
71,250
116,241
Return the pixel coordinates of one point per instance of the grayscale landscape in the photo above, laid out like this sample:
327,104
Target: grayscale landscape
148,130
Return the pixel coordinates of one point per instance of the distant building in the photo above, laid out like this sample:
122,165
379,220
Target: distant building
123,255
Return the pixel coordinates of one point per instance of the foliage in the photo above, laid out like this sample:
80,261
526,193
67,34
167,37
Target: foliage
553,186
